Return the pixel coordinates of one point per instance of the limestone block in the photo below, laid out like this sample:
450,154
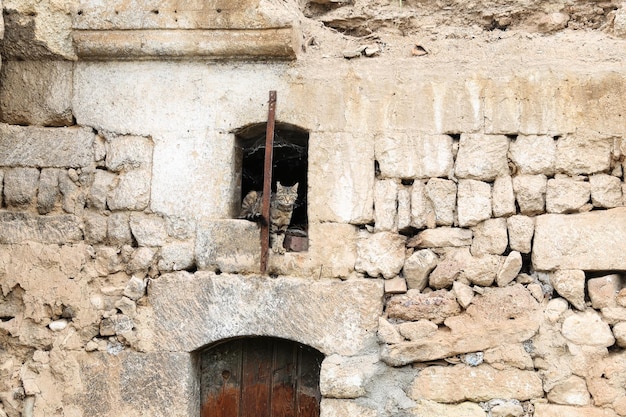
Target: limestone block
613,315
530,193
135,288
26,146
587,328
482,157
442,237
582,154
20,186
73,194
132,191
422,212
459,264
416,330
520,231
52,229
95,227
606,190
490,237
552,410
621,298
414,155
435,306
426,408
477,329
118,228
480,383
503,197
332,316
380,254
141,260
474,202
619,331
501,357
593,241
228,245
386,205
127,380
344,408
463,293
566,195
342,377
404,208
341,179
570,284
533,155
48,192
332,246
417,267
571,391
148,230
176,256
442,196
603,290
395,285
507,409
510,268
124,153
102,185
555,309
387,332
619,23
37,93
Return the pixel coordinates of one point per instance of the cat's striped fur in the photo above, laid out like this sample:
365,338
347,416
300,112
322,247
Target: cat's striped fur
281,209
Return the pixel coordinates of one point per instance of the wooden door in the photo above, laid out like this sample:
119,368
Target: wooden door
260,377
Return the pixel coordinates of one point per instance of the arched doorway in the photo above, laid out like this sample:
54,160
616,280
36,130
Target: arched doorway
260,377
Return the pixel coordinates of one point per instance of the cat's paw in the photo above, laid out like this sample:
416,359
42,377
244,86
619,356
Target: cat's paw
279,250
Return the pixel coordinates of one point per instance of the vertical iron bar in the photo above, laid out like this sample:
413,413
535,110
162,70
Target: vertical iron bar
267,181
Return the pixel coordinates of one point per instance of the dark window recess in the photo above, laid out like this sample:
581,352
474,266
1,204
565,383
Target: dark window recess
290,166
260,377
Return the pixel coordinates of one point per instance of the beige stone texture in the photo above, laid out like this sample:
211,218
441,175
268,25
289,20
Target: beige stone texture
422,211
342,377
332,248
551,410
606,190
458,263
571,391
387,333
587,328
481,383
395,285
426,408
589,241
416,330
603,290
417,267
330,407
566,195
613,315
442,196
530,193
385,206
490,237
510,268
228,246
570,284
501,357
414,155
404,208
533,155
474,202
619,331
443,237
435,306
482,157
502,197
380,254
36,93
520,231
463,293
583,154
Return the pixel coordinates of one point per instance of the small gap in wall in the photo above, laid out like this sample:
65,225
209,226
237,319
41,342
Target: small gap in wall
407,181
526,263
376,169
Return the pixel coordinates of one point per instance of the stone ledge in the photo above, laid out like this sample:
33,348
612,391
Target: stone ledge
22,227
268,44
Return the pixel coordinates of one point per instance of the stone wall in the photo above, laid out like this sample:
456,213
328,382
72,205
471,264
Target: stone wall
466,204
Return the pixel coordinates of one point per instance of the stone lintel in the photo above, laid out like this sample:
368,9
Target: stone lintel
268,44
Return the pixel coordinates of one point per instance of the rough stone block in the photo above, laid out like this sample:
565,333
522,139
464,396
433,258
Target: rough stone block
380,254
341,179
102,185
333,248
490,237
566,195
95,227
228,245
434,306
603,290
387,332
533,155
482,383
124,153
594,241
442,237
442,196
503,197
520,230
508,355
422,212
118,229
571,391
395,285
148,230
459,264
176,256
67,147
553,410
530,193
619,331
404,208
385,205
330,315
587,328
330,407
414,155
20,186
510,268
570,284
342,377
474,202
132,191
48,192
582,154
417,267
482,157
416,330
52,229
426,408
606,191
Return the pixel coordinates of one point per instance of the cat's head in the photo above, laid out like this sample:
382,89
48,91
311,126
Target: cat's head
286,194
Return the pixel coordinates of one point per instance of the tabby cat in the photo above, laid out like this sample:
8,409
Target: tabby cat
281,209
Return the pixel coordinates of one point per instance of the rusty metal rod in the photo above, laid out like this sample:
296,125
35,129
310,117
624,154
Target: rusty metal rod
267,181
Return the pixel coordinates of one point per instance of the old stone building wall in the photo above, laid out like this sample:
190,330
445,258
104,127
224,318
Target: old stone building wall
465,200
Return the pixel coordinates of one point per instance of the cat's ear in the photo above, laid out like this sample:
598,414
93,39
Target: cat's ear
295,186
278,185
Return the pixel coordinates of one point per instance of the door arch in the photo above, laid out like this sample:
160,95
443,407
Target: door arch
260,377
